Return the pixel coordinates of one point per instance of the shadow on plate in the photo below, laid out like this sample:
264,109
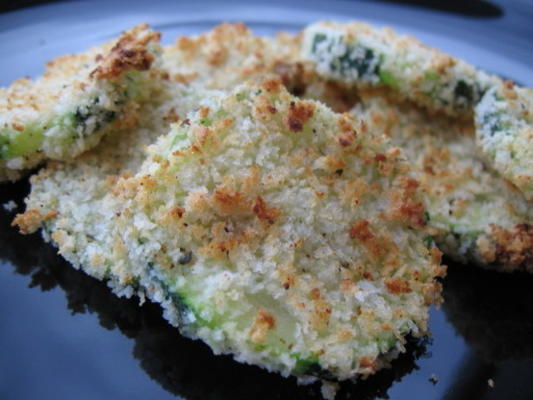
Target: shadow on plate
492,311
183,367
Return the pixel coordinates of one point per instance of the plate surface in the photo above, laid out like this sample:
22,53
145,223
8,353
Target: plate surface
54,344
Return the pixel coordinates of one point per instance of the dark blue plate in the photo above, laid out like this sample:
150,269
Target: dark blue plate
68,337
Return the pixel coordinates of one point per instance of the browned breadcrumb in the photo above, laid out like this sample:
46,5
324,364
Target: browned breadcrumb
263,212
360,230
512,247
398,285
128,53
264,322
299,114
32,219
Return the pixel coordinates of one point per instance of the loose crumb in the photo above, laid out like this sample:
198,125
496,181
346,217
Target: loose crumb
329,390
9,206
490,382
434,379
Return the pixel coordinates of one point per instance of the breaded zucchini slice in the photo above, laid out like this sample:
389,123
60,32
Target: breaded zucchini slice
78,100
282,233
504,131
474,215
73,203
359,54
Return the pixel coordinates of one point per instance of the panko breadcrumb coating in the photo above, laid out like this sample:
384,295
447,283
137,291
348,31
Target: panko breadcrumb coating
78,100
504,122
275,230
359,54
475,215
230,54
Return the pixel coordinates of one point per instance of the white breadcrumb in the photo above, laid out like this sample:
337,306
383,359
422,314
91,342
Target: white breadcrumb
504,122
271,228
10,206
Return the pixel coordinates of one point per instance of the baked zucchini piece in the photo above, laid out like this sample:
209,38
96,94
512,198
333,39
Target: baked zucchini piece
474,215
72,201
79,99
504,132
282,233
359,54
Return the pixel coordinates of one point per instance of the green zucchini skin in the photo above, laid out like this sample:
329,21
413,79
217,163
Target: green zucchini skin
74,128
358,54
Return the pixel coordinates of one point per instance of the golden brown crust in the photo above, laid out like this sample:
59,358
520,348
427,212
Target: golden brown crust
405,208
128,53
263,212
360,230
510,247
299,113
226,202
397,285
31,220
